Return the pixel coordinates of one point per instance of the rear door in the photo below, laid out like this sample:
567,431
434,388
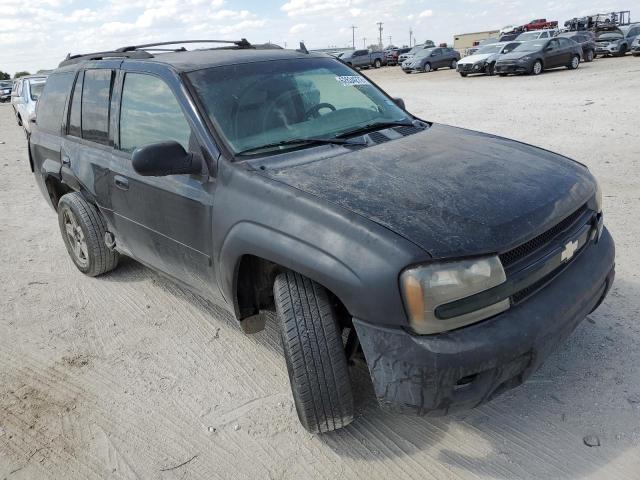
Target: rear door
87,145
566,50
164,222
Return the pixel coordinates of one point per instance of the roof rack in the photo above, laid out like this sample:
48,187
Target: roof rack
143,51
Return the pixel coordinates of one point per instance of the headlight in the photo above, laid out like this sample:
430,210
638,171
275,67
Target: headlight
598,198
427,287
524,59
476,66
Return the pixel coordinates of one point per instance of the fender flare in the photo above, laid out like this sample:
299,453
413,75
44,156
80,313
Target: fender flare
250,238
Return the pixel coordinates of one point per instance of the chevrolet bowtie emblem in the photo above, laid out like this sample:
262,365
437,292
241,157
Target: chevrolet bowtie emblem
568,251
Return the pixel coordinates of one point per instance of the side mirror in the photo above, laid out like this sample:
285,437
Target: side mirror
165,158
399,102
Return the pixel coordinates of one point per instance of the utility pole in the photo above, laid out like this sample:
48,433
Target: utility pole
353,36
364,42
410,35
389,40
380,29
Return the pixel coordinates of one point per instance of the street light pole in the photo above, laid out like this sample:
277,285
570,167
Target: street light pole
353,36
380,29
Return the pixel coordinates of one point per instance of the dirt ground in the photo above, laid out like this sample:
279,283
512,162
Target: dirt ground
129,376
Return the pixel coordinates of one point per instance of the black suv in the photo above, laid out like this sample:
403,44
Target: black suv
278,180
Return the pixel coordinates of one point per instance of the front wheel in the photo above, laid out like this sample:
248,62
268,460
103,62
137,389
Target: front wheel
426,68
463,74
490,69
575,62
537,68
314,353
590,56
622,52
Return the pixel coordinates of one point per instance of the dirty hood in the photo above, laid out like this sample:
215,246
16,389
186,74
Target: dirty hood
451,191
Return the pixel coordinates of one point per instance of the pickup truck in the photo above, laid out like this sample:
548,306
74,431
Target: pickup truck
363,59
539,24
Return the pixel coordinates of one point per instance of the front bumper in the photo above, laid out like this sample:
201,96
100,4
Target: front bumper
607,50
513,68
440,374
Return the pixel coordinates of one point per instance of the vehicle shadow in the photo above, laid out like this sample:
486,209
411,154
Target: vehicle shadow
533,431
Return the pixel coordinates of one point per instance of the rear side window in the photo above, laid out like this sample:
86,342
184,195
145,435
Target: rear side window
75,119
51,104
150,113
96,97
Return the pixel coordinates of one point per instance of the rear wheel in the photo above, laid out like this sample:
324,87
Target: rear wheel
490,69
537,68
575,62
453,65
314,353
377,63
589,56
83,231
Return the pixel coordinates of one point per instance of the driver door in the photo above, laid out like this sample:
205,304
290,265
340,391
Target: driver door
553,54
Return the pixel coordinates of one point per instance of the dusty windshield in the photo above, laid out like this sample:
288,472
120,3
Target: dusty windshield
266,103
489,49
529,47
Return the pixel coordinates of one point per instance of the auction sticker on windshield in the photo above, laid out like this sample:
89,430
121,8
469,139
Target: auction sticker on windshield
351,80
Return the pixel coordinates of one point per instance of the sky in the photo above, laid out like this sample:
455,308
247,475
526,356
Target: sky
37,34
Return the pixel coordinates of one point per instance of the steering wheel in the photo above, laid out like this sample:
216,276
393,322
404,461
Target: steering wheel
314,111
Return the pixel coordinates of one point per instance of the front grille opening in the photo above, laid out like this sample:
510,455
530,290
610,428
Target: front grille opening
526,249
465,382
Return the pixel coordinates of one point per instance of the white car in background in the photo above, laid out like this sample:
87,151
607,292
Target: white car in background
536,35
26,91
484,59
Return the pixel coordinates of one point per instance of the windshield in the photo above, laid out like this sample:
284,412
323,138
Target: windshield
489,49
529,47
265,103
523,37
36,89
609,35
424,53
415,50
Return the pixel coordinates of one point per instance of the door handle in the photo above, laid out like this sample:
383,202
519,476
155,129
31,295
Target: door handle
121,182
66,160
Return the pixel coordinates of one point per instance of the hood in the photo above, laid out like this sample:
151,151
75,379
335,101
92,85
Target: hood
516,55
451,191
476,58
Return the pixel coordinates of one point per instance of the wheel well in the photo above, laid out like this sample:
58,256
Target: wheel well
254,289
56,189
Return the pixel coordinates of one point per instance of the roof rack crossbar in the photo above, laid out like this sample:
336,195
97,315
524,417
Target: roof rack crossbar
240,43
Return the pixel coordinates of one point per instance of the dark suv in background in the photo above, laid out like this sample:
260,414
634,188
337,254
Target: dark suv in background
586,40
270,181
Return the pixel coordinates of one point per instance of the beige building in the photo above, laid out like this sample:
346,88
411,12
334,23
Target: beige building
466,40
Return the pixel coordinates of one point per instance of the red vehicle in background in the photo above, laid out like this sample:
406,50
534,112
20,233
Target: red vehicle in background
539,24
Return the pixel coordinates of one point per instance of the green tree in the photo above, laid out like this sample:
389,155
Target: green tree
21,74
4,75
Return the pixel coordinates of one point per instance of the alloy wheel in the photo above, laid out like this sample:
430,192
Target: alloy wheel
75,237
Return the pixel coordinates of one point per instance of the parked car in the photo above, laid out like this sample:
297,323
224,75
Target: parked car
393,56
24,98
510,29
586,40
535,57
363,59
539,24
431,59
616,42
5,90
536,35
270,181
411,53
508,37
484,60
635,47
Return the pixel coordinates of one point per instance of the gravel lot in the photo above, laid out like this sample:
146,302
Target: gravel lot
129,376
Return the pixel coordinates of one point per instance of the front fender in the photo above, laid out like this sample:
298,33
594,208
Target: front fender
249,238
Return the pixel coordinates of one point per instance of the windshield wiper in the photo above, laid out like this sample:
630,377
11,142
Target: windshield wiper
370,127
301,141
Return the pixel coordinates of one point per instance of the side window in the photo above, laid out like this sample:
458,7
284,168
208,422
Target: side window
51,104
96,97
150,113
75,118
